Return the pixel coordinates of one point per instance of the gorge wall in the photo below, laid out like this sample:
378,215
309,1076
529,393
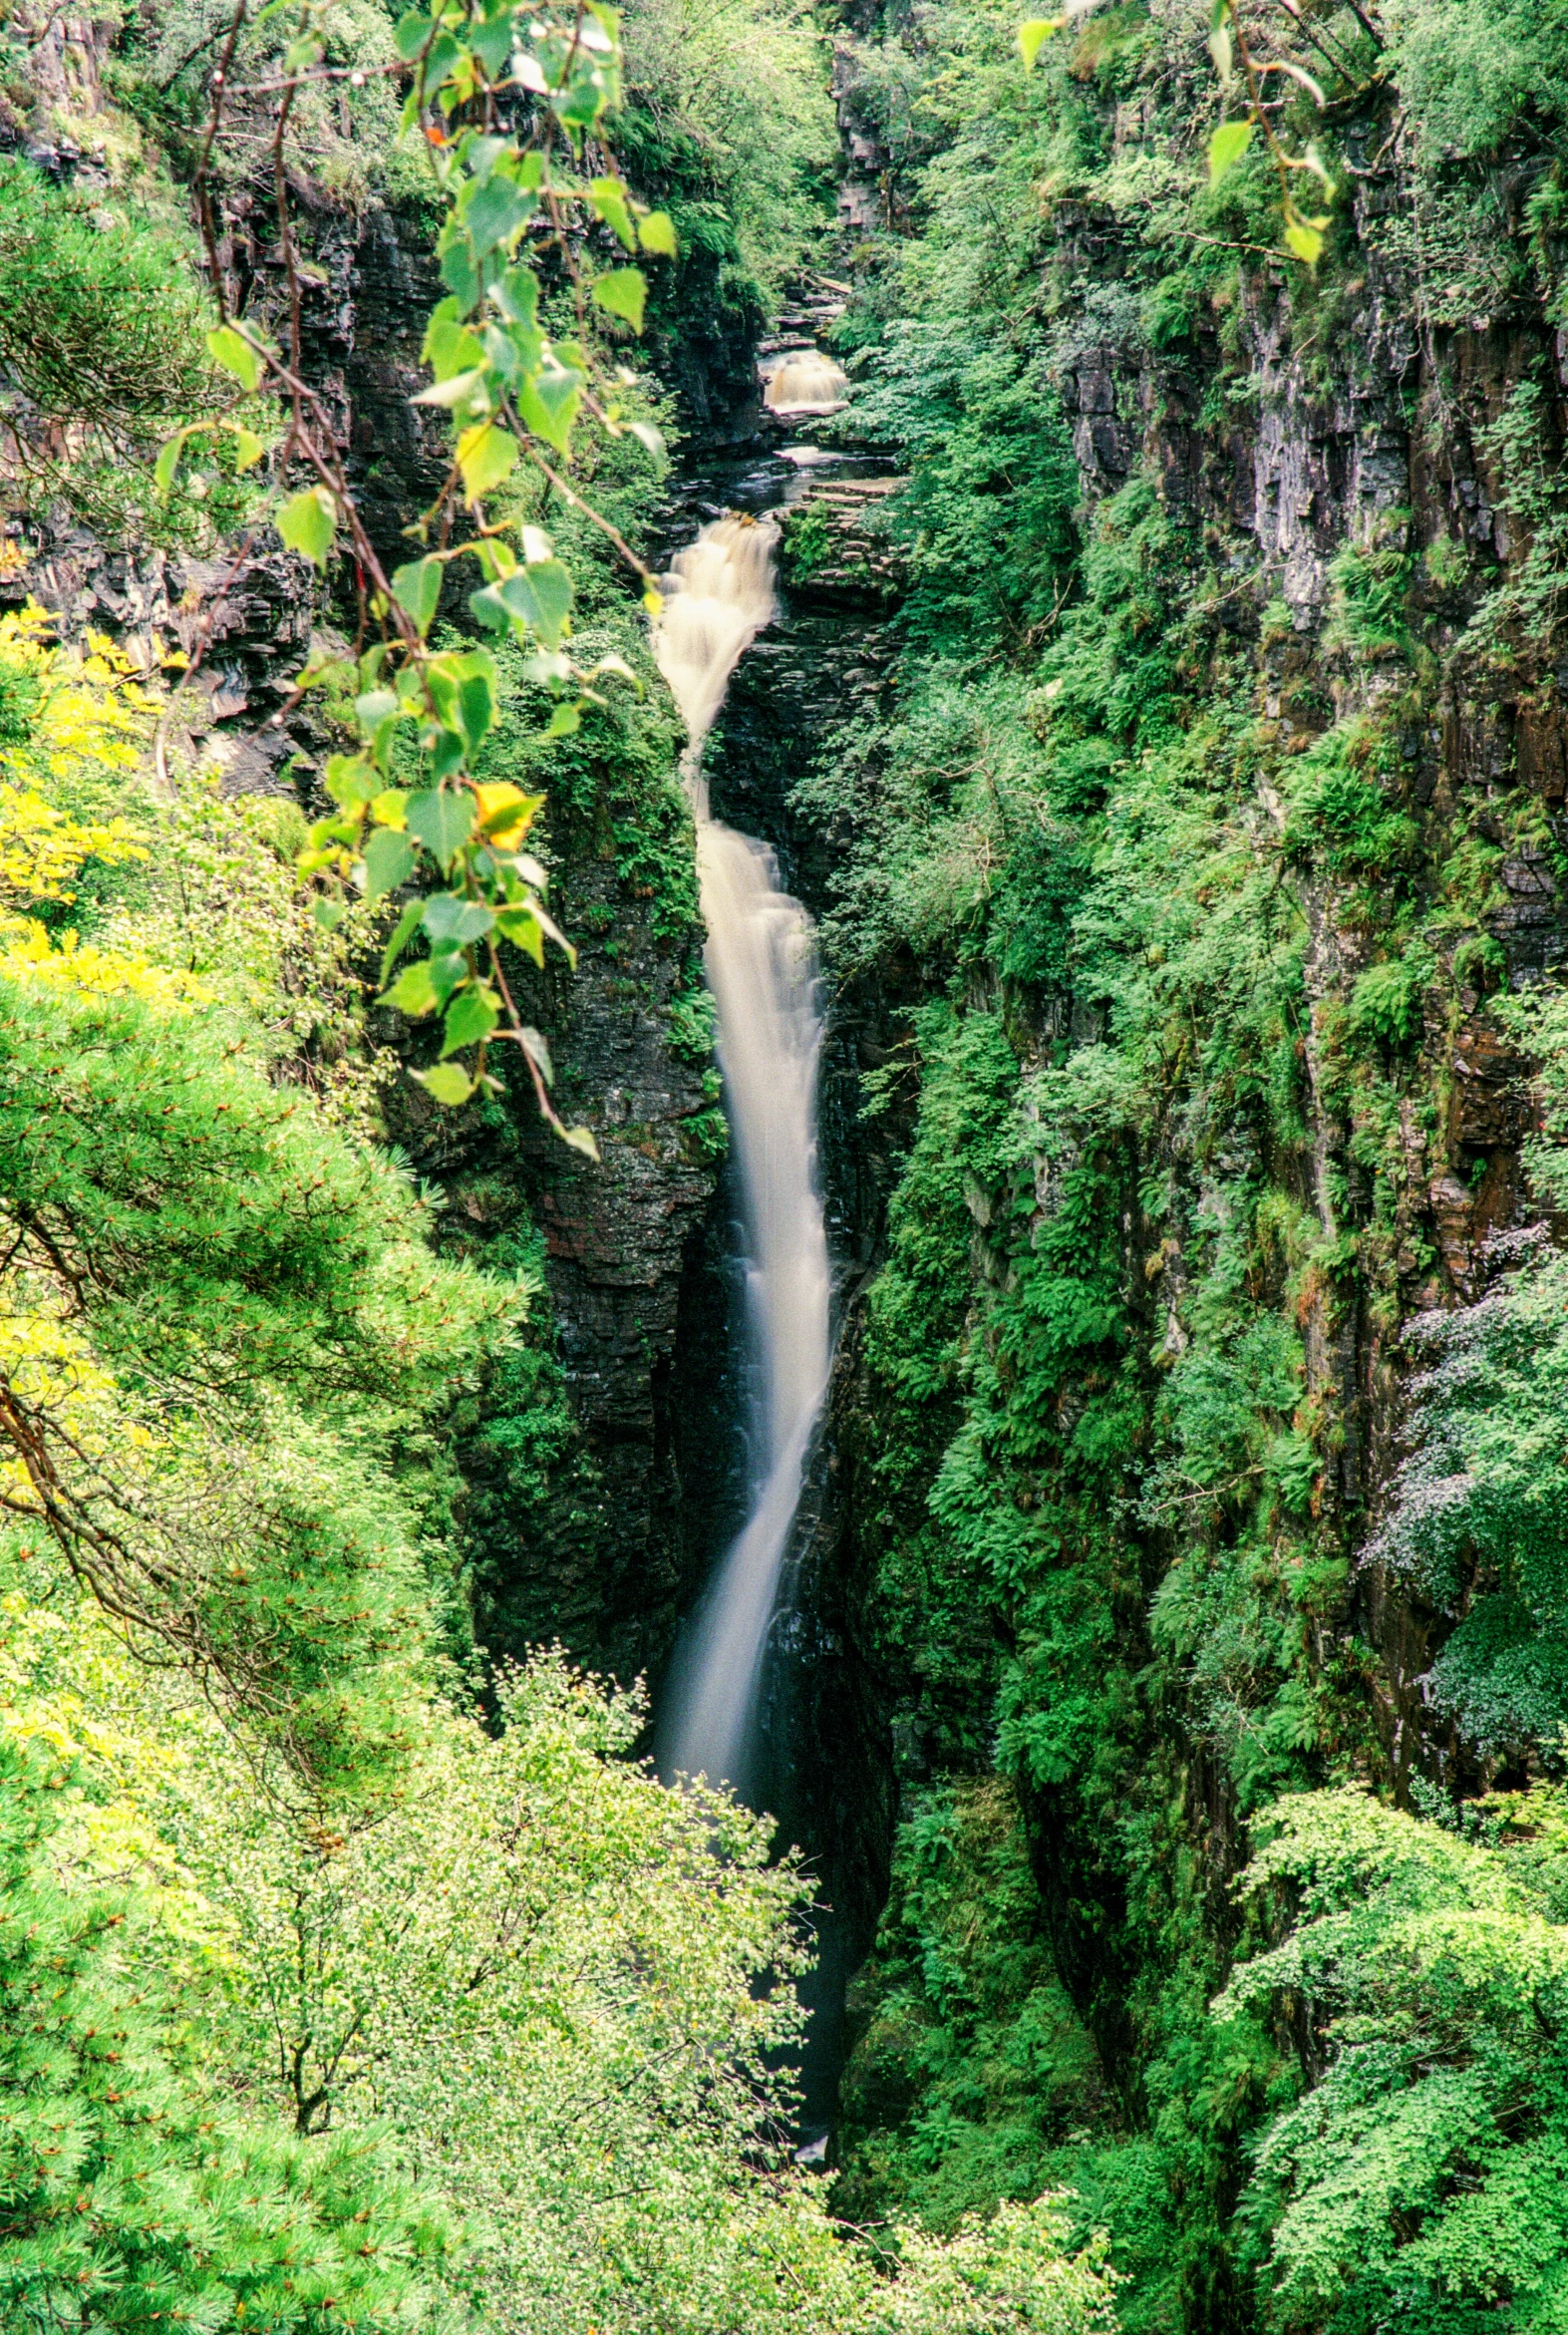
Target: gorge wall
1203,854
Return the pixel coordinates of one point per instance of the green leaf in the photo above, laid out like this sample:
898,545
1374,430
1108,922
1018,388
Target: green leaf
624,293
493,36
402,933
168,462
352,779
536,1048
443,820
374,707
1305,242
329,914
444,53
523,928
548,404
455,924
449,347
388,863
234,353
517,297
458,390
458,271
1220,48
496,213
608,198
417,588
307,522
1033,36
248,449
472,1015
1226,148
485,455
657,234
414,991
564,721
411,32
537,597
477,698
448,1083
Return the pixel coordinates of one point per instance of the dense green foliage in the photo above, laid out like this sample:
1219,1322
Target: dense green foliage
326,2001
101,327
347,1980
1145,814
1421,2176
131,2193
728,122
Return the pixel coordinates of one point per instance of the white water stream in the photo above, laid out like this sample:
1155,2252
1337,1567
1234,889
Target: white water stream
761,962
805,381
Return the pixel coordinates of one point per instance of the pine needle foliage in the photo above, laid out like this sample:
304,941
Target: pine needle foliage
132,2192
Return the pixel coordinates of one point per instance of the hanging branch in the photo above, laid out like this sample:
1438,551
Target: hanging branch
511,104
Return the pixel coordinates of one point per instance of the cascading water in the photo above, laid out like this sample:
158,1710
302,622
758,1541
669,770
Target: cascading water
804,382
761,969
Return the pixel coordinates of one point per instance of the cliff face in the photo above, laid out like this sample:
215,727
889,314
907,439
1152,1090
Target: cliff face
1385,451
598,1531
601,1469
1199,869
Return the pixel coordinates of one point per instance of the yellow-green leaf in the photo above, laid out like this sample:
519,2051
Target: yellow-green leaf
1226,148
657,234
168,462
388,863
485,455
1220,47
248,449
307,522
624,293
449,1083
1033,36
233,352
608,198
414,991
1304,240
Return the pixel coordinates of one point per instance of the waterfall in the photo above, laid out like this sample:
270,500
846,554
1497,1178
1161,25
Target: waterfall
805,382
761,969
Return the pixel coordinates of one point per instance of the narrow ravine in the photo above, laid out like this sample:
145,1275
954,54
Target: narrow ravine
761,962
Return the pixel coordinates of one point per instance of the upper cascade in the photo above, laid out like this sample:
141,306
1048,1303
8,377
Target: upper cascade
718,596
805,382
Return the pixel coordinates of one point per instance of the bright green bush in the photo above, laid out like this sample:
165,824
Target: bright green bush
1423,1975
132,2192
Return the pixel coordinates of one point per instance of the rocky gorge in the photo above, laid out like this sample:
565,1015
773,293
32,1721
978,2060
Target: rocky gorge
1160,720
